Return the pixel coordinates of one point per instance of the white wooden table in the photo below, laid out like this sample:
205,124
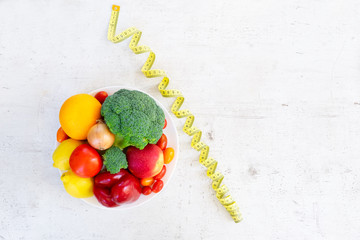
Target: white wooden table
275,87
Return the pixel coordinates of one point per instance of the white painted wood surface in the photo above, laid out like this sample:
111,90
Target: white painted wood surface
275,86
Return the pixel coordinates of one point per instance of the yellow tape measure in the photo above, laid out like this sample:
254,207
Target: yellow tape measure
221,190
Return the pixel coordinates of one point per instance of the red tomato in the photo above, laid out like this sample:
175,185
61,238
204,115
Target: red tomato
147,181
85,161
161,174
61,135
165,124
146,190
158,185
101,96
162,142
168,155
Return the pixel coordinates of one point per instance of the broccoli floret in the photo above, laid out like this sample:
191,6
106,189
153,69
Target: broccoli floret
134,118
114,160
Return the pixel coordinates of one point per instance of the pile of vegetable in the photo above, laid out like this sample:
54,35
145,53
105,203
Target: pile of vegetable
112,147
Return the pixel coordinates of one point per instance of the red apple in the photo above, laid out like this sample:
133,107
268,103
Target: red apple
145,163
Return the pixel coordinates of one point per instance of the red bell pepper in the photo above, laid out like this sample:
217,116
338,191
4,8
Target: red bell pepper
103,195
107,179
112,190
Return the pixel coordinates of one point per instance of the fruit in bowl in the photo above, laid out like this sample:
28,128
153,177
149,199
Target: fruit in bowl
121,158
145,163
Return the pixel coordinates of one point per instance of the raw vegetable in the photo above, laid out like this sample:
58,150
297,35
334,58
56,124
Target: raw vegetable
146,190
85,161
168,155
63,152
77,186
115,189
126,190
162,142
158,185
114,160
100,137
61,135
104,197
147,181
107,179
101,96
134,118
165,124
161,174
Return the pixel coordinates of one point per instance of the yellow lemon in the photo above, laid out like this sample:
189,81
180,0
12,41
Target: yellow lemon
77,186
62,153
78,114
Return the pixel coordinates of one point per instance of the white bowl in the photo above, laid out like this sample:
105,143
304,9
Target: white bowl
173,141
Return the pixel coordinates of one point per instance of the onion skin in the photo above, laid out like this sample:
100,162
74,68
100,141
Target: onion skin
100,137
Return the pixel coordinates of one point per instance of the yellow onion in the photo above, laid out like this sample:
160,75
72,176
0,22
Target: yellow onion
100,137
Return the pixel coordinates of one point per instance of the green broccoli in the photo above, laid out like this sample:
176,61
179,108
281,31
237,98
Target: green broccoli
114,160
134,118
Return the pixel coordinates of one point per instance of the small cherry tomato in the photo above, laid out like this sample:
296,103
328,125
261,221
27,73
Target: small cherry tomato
147,181
146,190
161,174
165,124
158,185
61,135
162,142
101,96
168,155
